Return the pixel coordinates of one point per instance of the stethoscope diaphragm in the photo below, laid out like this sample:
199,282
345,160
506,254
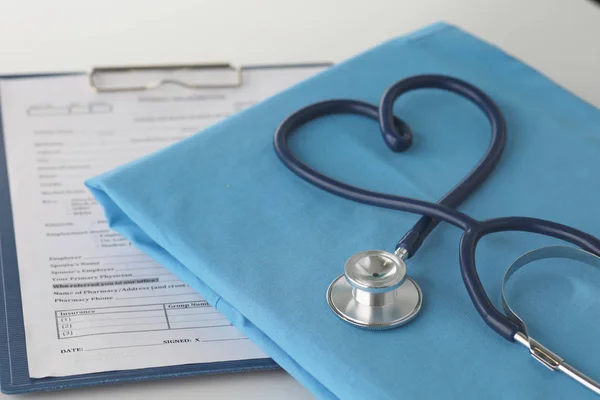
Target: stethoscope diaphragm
375,292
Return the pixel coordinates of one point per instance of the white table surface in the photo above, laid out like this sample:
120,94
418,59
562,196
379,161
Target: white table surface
561,38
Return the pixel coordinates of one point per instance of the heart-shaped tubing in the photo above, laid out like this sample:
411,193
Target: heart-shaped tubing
415,237
347,106
398,137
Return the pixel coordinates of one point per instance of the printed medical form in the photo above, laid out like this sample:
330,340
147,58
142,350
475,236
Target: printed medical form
91,301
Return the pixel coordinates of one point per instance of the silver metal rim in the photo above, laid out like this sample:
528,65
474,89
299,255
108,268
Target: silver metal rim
341,283
372,286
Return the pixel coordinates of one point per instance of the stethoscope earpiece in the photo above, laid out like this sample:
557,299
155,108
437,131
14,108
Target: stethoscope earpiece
375,292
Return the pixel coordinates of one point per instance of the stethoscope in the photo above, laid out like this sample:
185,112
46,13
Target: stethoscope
375,291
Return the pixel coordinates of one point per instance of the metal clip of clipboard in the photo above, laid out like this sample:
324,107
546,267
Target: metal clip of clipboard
153,83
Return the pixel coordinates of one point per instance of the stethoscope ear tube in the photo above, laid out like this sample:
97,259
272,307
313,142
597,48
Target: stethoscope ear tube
538,351
496,320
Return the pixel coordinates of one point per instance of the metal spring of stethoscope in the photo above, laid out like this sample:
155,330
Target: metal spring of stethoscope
375,291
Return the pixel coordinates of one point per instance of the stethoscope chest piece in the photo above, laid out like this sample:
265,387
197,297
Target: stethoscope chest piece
374,292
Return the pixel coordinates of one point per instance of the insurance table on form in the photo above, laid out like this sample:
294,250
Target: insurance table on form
141,318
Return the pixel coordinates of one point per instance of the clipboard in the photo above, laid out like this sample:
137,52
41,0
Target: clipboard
14,372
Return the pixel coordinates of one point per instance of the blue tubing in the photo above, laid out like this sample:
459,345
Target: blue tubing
398,137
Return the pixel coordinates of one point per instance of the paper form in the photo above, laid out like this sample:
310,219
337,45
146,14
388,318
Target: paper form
91,301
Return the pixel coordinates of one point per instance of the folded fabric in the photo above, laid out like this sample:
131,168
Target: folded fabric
220,211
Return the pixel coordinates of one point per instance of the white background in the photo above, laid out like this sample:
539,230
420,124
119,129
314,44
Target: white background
561,38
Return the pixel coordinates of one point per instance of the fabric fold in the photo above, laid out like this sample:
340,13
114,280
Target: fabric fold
220,211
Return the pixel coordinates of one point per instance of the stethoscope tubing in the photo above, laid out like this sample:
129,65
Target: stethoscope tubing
398,137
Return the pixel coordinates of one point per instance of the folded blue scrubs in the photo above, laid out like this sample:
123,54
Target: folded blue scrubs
221,211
